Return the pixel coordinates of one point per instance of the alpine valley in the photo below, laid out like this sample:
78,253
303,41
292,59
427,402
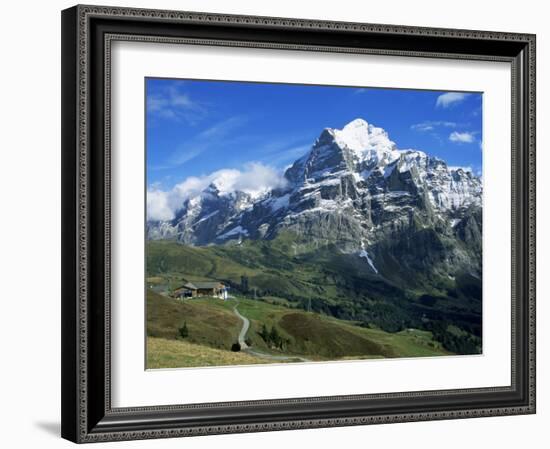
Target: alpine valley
359,232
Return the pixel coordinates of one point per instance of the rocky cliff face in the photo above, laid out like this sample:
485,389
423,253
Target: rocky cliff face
398,209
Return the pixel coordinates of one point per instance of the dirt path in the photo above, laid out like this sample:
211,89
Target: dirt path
244,329
254,352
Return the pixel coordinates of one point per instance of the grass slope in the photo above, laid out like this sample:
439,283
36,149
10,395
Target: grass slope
207,322
337,284
323,280
212,324
322,337
163,353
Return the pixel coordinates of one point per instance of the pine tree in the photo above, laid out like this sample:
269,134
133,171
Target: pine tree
264,333
275,337
184,332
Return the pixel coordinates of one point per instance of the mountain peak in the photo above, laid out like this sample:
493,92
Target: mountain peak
365,141
356,124
356,172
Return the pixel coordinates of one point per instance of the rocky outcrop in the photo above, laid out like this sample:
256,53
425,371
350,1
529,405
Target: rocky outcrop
403,211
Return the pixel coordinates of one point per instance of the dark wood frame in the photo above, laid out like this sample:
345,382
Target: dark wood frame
87,32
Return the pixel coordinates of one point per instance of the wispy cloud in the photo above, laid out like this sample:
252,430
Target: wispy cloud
360,90
462,137
185,153
288,154
223,127
254,178
431,125
280,151
450,99
206,139
173,103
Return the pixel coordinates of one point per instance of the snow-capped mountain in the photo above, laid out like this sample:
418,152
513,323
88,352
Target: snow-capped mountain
354,189
203,217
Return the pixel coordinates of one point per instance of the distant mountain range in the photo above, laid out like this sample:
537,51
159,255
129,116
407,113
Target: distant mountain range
402,211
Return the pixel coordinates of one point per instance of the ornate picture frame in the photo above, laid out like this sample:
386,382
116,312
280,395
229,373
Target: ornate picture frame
87,35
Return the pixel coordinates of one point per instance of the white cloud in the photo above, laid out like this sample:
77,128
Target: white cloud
286,154
210,137
462,137
254,179
430,125
221,128
173,103
158,207
422,127
449,99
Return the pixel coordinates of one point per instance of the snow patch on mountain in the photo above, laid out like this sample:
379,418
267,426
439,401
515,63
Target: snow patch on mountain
364,253
366,141
255,179
237,230
280,202
354,184
206,217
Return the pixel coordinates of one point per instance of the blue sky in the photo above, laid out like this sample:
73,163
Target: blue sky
195,128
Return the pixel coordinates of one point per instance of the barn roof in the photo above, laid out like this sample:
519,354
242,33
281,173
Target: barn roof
207,285
201,285
187,286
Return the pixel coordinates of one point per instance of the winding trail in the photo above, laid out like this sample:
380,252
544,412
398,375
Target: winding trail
245,348
244,329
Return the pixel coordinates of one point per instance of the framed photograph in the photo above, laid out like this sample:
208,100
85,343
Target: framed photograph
276,224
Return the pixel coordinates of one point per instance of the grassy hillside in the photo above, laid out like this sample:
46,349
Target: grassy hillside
208,322
163,353
324,337
212,324
328,282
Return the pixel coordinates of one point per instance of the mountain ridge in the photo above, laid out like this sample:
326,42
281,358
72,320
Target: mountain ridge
356,190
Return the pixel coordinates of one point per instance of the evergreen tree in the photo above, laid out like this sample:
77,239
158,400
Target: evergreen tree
244,284
184,332
275,337
264,333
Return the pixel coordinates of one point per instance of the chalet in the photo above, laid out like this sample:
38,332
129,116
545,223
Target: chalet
196,289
